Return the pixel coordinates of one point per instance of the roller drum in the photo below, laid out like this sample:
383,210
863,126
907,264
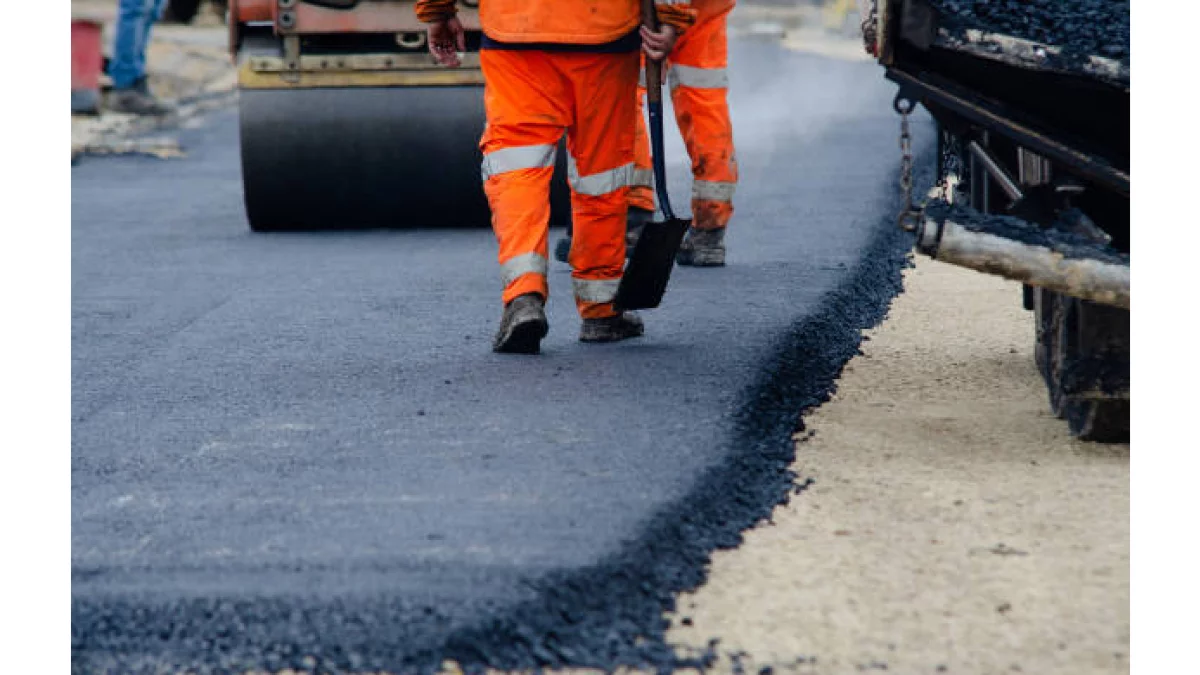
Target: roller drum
362,157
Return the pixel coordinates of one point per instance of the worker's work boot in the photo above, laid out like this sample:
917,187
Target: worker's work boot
634,223
135,102
702,248
611,328
522,326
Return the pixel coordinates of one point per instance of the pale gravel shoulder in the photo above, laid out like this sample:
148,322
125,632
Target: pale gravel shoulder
953,524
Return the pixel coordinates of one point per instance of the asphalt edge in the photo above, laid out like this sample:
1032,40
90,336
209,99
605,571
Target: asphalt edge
612,615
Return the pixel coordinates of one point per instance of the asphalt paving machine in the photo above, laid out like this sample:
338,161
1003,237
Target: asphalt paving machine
1031,102
347,122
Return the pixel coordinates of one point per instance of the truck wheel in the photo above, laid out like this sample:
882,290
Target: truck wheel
1098,421
181,11
1082,351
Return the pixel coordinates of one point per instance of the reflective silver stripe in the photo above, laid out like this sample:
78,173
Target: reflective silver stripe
598,184
572,170
520,157
595,290
642,177
517,266
697,78
713,190
674,2
642,78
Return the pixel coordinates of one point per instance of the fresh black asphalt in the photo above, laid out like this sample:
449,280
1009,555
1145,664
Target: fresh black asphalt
297,450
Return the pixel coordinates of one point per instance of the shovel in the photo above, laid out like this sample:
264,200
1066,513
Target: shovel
649,268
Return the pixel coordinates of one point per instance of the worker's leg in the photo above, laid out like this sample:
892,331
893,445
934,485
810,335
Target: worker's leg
128,55
127,67
527,106
600,142
641,191
698,83
154,13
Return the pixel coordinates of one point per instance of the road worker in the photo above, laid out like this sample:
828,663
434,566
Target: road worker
549,68
698,83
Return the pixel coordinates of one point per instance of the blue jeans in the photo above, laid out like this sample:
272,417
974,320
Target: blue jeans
134,20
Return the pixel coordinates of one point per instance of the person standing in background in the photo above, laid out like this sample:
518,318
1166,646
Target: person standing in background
127,67
699,83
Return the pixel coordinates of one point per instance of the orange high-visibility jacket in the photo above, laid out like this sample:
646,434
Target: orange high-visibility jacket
584,22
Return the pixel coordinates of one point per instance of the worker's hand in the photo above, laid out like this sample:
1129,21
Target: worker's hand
446,39
658,45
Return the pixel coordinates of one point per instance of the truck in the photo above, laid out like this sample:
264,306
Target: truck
1030,102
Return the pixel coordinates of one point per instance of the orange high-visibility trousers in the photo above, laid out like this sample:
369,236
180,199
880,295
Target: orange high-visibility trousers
698,82
531,98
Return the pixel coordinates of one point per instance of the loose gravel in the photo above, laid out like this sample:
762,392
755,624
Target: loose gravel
1079,27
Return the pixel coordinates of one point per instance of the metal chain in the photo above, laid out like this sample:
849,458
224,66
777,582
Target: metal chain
909,217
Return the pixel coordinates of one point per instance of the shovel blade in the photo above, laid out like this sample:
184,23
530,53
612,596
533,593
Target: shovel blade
649,269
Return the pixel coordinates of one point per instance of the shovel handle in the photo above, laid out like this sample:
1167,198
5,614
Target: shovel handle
653,68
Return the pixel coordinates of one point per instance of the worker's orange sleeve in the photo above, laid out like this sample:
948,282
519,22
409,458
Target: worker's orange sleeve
433,11
681,16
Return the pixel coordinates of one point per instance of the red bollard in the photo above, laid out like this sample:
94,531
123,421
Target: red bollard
87,61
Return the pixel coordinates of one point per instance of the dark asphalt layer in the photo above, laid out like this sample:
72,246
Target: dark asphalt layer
298,449
1081,28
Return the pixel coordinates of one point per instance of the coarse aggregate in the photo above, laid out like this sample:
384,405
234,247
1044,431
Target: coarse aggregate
1080,27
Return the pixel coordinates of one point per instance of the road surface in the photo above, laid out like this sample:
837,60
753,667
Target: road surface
297,450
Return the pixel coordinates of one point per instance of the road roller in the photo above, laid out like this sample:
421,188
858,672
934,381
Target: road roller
347,122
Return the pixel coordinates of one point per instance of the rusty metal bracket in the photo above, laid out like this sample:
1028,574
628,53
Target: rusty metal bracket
285,21
291,58
906,100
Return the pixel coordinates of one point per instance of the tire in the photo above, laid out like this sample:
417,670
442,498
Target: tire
181,11
1098,421
1082,351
